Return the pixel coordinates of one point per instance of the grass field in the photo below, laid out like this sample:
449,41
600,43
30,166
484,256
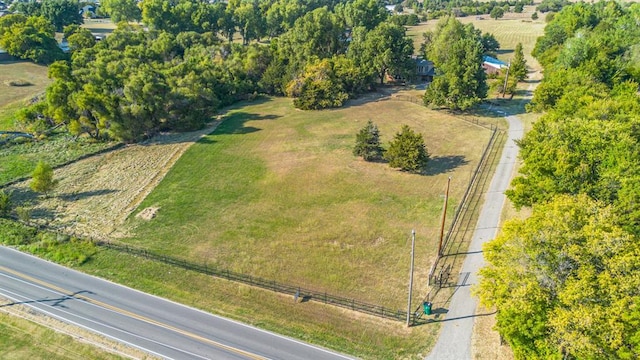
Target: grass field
275,192
19,159
23,339
12,98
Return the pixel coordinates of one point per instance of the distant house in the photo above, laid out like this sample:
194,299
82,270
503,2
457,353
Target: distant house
425,70
492,65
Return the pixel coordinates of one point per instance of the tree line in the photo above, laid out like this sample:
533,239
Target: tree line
177,73
564,281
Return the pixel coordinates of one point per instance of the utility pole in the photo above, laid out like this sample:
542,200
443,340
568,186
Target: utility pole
413,246
444,217
504,88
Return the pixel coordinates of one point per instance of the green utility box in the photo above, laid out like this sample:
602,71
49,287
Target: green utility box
427,308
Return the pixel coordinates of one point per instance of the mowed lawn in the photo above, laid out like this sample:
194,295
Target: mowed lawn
13,98
275,192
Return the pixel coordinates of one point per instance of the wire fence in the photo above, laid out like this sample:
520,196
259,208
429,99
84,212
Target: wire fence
298,293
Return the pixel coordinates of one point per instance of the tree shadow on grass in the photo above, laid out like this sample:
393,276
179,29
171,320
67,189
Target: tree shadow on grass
233,123
85,194
444,164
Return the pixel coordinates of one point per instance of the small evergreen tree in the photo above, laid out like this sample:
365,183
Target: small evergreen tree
42,180
534,16
519,65
407,151
368,143
5,203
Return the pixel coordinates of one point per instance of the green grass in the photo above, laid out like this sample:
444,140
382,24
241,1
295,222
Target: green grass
23,339
19,158
275,192
335,328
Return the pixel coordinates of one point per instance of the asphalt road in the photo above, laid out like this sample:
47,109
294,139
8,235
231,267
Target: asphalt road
154,325
454,342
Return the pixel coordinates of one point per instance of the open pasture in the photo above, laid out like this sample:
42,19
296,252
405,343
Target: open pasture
276,192
12,98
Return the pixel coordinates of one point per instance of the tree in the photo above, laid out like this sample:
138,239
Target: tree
365,13
29,38
79,38
489,44
518,67
534,16
61,13
386,50
407,151
563,283
317,88
456,51
42,180
122,10
368,143
496,13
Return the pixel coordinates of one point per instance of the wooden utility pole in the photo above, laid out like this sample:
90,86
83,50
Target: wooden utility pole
444,217
413,246
506,78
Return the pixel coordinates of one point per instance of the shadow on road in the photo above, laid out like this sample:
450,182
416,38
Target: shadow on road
55,302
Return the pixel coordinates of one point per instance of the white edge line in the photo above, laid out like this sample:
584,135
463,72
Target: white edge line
187,306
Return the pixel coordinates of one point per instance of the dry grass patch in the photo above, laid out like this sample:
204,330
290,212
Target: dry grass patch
96,195
275,192
12,97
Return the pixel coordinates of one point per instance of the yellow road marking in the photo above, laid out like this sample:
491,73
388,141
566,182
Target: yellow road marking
133,315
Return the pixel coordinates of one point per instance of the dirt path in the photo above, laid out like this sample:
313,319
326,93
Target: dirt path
84,201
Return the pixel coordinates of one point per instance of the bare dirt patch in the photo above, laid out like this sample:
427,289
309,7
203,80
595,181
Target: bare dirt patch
97,194
148,213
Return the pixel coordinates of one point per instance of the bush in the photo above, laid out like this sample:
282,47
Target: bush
5,203
18,83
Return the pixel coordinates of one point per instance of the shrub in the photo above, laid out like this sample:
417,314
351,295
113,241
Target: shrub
407,151
5,203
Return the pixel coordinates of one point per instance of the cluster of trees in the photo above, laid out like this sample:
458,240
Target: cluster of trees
135,83
564,281
436,8
406,151
29,38
456,51
180,72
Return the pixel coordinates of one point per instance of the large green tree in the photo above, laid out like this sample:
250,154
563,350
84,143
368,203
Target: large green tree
61,13
456,51
385,50
518,68
29,38
564,283
317,87
122,10
365,13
